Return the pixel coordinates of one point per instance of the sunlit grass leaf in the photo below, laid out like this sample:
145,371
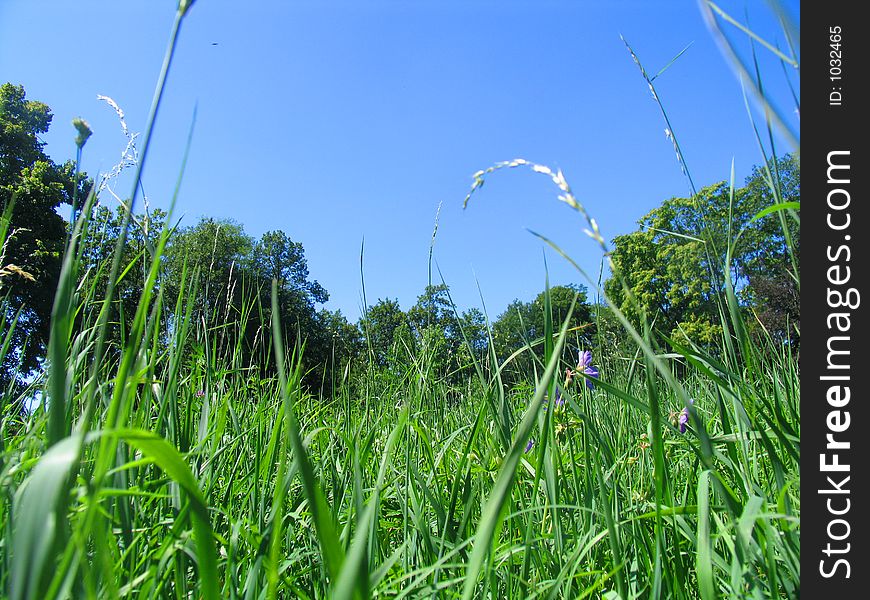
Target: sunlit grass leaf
39,517
776,208
492,513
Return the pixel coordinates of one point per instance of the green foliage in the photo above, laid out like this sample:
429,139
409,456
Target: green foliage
523,323
217,251
674,266
772,274
97,248
382,325
31,256
341,340
451,338
276,256
230,295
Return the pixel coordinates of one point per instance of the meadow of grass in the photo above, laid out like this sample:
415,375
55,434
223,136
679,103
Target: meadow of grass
163,466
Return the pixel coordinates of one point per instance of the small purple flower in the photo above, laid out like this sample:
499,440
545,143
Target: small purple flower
684,417
585,365
200,393
558,399
530,445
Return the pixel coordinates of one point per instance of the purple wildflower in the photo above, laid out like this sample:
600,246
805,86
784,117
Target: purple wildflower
558,399
530,445
684,417
200,393
585,365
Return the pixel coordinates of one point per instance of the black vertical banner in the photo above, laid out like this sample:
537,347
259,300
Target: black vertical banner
835,444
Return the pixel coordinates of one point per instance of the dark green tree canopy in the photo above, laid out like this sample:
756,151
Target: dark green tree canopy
430,328
381,323
435,309
523,322
22,121
216,251
227,275
674,266
32,251
98,247
276,256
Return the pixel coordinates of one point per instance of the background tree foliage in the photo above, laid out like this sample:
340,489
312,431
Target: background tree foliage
443,331
31,256
143,233
772,276
381,325
523,323
674,265
227,276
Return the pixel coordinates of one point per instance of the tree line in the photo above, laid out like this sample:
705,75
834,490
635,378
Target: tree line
219,277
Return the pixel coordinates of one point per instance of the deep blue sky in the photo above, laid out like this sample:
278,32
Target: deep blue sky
338,121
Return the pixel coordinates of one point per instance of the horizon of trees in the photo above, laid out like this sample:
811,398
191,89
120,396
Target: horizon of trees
673,268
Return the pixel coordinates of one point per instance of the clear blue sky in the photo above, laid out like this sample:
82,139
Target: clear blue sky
338,121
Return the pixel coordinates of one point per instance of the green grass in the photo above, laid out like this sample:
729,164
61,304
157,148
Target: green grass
161,468
253,490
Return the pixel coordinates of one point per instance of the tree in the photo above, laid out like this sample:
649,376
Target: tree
332,344
523,323
778,303
452,339
232,275
98,247
561,299
215,254
666,281
674,265
771,276
344,339
381,324
276,256
473,324
434,309
33,249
